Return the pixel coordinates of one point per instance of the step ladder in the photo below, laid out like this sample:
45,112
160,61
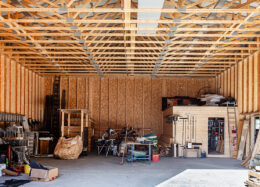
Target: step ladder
232,125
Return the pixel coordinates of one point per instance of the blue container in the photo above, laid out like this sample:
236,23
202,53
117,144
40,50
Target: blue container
204,155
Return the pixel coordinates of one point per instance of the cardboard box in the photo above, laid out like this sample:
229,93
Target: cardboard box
44,175
191,153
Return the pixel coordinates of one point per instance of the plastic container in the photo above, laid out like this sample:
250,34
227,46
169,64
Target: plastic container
155,158
2,166
26,169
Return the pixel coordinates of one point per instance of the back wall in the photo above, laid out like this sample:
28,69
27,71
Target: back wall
115,102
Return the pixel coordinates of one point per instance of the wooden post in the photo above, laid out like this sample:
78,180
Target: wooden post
81,124
62,123
68,129
86,120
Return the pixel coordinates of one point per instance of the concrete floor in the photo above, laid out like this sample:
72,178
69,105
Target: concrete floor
102,171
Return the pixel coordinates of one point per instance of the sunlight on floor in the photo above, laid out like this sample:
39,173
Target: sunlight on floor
207,178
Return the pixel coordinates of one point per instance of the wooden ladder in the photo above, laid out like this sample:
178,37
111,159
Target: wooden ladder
232,125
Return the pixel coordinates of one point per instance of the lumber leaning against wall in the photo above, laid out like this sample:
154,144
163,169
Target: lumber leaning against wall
242,82
21,90
117,101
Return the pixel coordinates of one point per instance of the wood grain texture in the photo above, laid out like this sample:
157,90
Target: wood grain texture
104,105
243,83
81,87
72,93
115,102
121,116
18,88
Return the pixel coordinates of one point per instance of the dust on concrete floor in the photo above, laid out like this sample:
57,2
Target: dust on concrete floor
102,171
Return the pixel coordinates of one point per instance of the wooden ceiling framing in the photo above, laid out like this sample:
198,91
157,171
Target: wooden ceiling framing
199,38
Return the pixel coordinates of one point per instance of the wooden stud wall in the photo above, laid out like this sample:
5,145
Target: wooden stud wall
21,90
242,81
115,102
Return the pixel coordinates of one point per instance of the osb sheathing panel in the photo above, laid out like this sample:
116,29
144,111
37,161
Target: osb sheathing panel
104,116
19,89
243,83
13,87
113,84
156,106
81,89
130,90
138,101
26,94
147,98
7,85
64,85
115,102
23,90
121,110
72,93
2,83
95,102
30,95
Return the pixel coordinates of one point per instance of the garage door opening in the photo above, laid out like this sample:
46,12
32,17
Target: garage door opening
216,135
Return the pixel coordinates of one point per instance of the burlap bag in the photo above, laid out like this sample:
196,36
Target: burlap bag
68,149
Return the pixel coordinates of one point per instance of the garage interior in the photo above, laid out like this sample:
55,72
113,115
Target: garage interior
93,91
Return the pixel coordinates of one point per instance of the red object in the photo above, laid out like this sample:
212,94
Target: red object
216,133
234,131
155,158
9,155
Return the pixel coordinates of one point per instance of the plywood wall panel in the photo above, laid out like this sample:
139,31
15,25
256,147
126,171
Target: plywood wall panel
156,115
113,103
23,90
95,102
121,115
87,93
250,84
13,87
48,83
64,86
18,89
104,104
2,83
7,85
173,83
138,108
72,93
130,91
26,92
244,83
256,80
30,85
245,86
191,87
81,87
147,90
182,87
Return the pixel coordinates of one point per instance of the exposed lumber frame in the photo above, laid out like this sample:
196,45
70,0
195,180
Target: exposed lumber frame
51,32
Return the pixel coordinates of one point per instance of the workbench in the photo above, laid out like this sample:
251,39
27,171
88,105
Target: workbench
147,157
